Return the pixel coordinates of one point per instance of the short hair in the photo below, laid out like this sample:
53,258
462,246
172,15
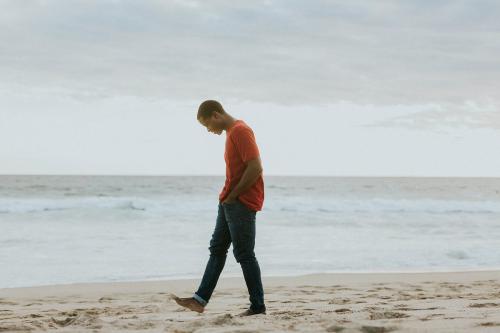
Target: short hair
208,107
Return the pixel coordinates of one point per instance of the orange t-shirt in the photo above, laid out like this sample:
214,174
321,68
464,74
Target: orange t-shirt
240,148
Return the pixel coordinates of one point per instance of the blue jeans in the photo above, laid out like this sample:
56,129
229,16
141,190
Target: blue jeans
235,223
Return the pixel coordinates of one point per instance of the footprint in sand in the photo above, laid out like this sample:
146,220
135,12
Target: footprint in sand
66,321
136,325
225,319
320,300
289,314
377,329
403,307
105,299
340,301
15,327
489,324
32,315
387,315
87,319
484,305
432,316
294,301
335,328
36,303
196,325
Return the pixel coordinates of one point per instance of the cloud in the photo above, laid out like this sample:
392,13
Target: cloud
469,115
283,52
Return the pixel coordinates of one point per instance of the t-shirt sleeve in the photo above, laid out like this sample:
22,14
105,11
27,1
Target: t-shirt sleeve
245,143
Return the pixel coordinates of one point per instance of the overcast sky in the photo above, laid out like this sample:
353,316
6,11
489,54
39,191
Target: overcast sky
344,88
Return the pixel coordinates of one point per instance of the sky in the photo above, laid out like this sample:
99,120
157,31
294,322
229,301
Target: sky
330,88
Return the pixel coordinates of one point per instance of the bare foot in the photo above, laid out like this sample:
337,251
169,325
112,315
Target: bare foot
189,302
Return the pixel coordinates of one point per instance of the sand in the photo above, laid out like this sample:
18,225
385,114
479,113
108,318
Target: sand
369,303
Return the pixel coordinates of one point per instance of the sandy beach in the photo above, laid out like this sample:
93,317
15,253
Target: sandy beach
382,302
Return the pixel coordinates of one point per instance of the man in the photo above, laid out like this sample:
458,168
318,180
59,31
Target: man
239,201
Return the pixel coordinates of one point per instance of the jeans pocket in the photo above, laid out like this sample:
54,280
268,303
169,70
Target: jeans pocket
227,204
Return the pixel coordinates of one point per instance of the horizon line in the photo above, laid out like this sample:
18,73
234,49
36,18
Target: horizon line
271,175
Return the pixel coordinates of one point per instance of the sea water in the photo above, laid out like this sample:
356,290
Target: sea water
67,229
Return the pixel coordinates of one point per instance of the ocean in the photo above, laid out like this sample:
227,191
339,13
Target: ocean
68,229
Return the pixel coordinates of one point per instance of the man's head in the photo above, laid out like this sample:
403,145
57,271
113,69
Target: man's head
212,115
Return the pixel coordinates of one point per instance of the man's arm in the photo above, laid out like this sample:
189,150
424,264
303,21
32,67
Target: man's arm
250,176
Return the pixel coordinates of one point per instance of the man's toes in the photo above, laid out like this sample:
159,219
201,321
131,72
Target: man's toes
181,301
190,303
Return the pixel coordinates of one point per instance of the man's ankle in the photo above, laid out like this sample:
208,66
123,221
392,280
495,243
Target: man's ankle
200,300
258,310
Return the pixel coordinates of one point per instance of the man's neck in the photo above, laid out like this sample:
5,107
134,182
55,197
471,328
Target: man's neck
230,122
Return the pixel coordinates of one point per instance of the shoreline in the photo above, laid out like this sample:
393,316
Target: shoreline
279,276
462,301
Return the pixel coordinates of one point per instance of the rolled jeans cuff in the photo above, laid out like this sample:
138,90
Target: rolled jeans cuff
199,299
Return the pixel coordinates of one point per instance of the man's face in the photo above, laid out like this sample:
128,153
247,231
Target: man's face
213,123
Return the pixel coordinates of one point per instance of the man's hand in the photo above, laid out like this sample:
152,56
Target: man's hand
230,199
